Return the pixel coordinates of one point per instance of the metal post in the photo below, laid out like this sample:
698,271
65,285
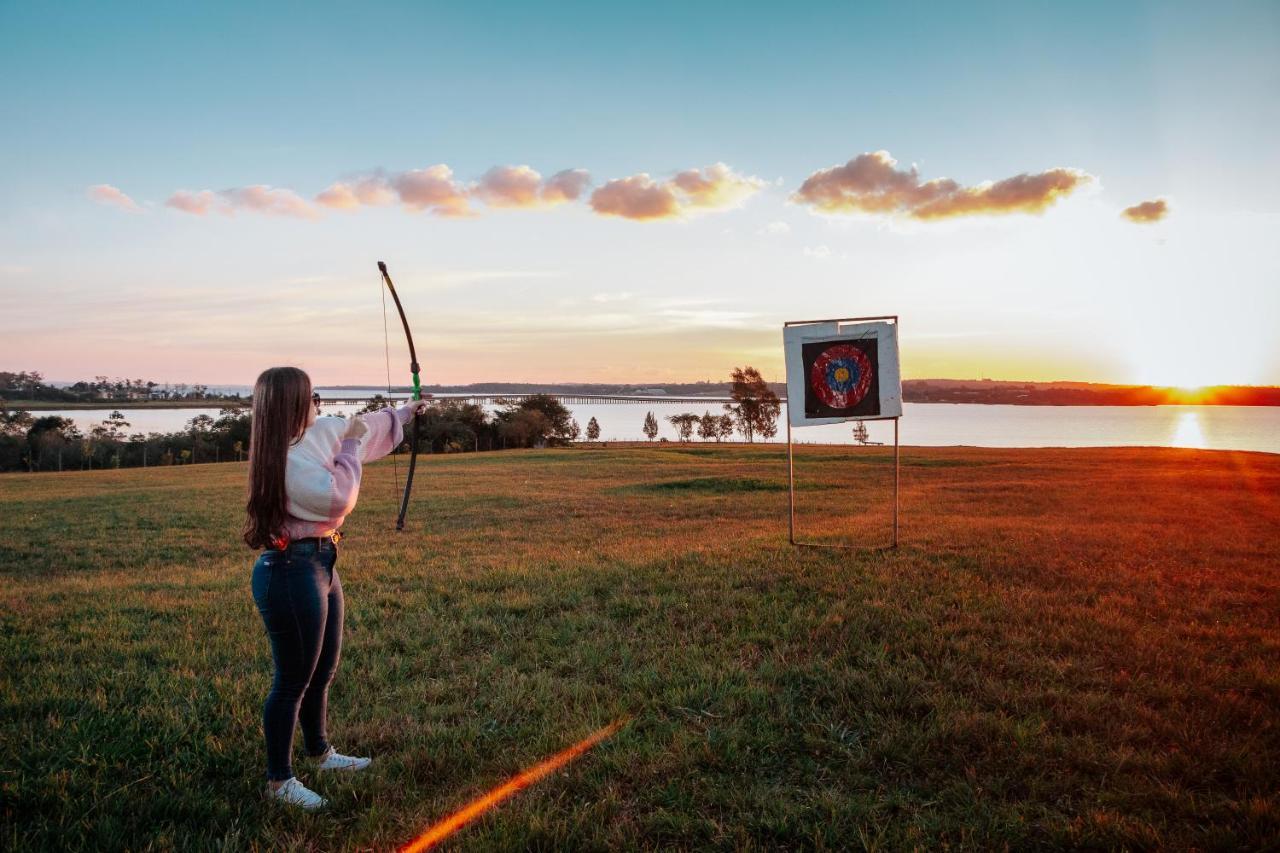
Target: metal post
896,470
791,482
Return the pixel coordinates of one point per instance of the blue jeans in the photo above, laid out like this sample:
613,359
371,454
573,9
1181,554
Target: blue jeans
299,595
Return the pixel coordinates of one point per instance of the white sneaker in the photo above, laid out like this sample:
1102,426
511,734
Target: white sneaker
295,793
332,760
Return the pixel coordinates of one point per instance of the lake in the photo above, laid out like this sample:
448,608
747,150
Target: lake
926,424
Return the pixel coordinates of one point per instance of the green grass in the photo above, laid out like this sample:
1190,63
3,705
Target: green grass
710,485
1070,648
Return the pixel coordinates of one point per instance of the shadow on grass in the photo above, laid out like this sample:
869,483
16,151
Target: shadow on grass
713,486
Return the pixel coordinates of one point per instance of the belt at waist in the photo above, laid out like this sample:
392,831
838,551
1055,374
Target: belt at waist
311,543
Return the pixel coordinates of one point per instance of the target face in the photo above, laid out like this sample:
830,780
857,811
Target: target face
841,378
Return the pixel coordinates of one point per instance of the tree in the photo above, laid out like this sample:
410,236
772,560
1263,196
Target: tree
378,402
574,430
50,434
593,429
708,427
115,425
457,422
15,423
755,407
524,428
554,415
724,428
684,424
233,427
860,432
651,426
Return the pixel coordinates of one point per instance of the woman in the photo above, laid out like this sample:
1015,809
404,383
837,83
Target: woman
304,477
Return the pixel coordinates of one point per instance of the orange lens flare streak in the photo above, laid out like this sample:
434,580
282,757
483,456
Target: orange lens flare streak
441,830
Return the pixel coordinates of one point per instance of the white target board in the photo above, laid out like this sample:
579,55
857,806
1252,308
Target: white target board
841,370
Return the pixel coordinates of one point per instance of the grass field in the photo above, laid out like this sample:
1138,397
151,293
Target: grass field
1070,648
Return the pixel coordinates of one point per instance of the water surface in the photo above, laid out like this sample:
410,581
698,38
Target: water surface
924,424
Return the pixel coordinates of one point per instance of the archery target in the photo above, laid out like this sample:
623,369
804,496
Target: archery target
840,379
838,371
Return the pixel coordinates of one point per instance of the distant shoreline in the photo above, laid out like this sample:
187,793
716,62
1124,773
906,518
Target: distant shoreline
973,391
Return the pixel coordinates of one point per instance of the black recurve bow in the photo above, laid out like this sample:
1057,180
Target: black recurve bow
417,394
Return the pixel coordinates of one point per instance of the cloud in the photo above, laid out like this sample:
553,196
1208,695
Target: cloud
198,203
510,186
436,190
636,197
777,227
111,196
709,318
566,185
369,190
871,183
522,186
1147,211
257,198
432,189
717,187
270,201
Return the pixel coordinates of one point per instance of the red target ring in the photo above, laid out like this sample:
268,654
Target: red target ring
841,376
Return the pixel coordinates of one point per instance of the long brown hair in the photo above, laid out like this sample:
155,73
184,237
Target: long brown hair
281,398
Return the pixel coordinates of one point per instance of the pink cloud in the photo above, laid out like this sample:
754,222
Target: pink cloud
636,197
256,198
1147,212
436,190
271,201
523,187
871,183
716,187
566,185
370,190
197,203
112,197
509,186
433,189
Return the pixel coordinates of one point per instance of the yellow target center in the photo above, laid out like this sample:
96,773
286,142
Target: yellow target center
842,374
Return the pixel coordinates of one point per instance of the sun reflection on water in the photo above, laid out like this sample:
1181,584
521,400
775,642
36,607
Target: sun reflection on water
1187,431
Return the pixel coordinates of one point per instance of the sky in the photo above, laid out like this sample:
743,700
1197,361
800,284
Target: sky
639,192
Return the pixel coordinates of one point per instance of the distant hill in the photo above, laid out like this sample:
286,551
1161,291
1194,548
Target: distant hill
914,391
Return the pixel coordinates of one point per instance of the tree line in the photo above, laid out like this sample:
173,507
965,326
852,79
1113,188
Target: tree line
753,412
30,385
54,443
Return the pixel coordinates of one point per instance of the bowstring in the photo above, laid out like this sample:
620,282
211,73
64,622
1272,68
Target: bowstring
386,355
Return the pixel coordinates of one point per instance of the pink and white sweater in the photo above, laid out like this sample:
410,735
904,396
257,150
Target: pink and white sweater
322,471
